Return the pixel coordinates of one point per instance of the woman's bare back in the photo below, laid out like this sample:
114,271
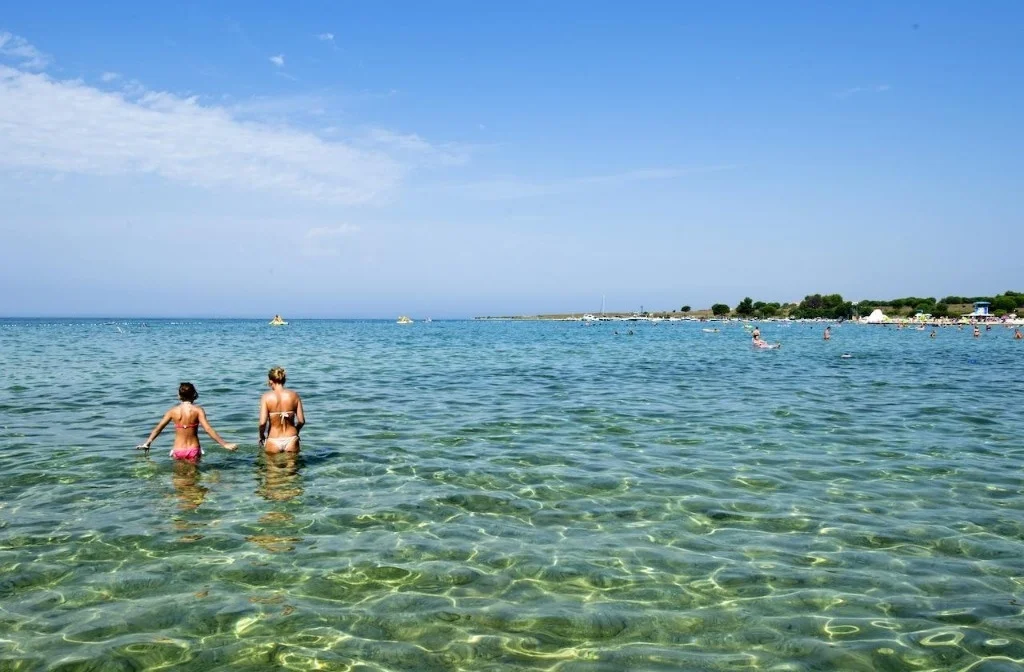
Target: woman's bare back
283,409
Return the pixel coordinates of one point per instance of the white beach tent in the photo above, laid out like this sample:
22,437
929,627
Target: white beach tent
876,317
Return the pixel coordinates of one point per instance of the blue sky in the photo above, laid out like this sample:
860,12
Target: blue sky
464,158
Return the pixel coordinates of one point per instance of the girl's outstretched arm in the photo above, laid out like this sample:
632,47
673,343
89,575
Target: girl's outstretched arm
156,432
213,433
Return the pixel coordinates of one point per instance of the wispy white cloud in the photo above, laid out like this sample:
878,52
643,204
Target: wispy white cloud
321,109
278,60
66,126
514,188
450,154
19,50
321,232
133,88
281,109
324,241
407,141
325,37
853,91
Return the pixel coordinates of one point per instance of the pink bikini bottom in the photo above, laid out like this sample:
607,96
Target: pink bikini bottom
192,453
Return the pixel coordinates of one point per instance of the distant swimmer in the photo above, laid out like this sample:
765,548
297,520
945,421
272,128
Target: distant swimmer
977,332
187,418
932,335
764,345
756,333
828,334
281,415
1017,335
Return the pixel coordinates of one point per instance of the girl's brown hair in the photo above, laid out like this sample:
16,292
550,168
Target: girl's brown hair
277,375
187,392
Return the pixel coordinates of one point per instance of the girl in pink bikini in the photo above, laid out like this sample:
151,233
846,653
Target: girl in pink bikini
187,418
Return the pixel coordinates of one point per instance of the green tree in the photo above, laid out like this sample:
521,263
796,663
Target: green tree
1008,304
832,301
842,311
830,306
925,307
1017,297
811,302
720,309
940,310
745,307
685,309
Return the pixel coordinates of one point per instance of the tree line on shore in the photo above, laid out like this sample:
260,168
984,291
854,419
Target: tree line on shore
834,307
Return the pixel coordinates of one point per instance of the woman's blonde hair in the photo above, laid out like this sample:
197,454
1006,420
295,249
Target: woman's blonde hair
277,375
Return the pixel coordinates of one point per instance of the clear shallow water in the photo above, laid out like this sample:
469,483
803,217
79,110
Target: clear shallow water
495,495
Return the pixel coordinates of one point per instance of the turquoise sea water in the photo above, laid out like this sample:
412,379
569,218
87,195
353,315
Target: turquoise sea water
498,495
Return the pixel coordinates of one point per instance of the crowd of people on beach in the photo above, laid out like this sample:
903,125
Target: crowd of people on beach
281,418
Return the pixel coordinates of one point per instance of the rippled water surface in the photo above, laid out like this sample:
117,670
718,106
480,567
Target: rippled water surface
497,496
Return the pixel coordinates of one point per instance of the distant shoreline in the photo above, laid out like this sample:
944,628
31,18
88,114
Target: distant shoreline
708,317
816,307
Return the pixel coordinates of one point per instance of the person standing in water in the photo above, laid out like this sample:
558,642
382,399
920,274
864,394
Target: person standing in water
187,418
281,416
828,334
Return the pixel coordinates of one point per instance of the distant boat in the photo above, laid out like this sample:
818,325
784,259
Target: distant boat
404,320
277,322
428,320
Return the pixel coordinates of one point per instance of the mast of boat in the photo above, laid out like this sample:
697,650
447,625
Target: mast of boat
602,305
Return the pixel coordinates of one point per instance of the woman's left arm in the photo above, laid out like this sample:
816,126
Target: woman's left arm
156,432
264,420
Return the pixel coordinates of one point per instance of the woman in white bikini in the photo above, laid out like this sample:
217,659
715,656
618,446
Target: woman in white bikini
281,415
